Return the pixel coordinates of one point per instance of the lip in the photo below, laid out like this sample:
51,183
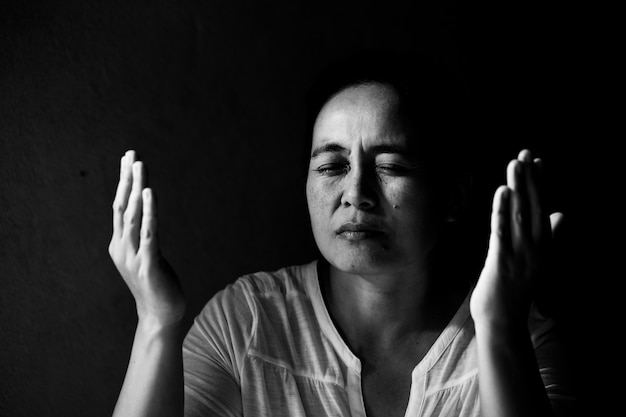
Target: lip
358,231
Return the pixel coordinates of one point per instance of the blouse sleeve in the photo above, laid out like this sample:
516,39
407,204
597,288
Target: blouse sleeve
214,351
553,366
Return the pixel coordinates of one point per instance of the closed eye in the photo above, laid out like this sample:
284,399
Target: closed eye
392,169
333,169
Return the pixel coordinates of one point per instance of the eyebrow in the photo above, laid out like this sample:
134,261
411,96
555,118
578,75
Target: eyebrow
376,150
328,147
397,149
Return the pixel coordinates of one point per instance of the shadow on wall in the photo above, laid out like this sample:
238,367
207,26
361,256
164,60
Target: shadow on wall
211,96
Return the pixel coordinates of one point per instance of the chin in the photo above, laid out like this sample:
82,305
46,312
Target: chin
360,260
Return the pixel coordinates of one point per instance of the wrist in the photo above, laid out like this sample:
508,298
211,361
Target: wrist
154,329
500,316
161,318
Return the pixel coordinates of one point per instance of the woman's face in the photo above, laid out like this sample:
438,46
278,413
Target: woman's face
373,208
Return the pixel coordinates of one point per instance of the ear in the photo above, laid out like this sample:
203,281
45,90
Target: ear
459,197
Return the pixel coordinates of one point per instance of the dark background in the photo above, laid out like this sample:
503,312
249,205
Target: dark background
211,94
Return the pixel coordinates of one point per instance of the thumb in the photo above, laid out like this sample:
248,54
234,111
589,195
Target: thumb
556,223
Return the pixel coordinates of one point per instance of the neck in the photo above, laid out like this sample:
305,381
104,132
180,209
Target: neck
379,312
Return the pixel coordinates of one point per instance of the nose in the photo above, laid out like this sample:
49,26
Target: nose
358,191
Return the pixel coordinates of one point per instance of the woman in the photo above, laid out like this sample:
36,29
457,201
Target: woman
385,324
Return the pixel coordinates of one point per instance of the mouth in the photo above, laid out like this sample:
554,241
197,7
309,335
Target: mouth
358,231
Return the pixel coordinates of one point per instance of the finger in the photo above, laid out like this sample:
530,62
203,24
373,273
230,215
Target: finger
148,242
525,156
132,216
500,238
539,223
121,199
525,178
539,169
510,174
121,195
518,203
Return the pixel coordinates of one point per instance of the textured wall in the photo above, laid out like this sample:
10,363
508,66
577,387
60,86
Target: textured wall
210,95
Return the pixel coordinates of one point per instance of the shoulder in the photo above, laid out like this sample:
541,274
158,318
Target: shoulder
254,307
260,289
264,295
263,284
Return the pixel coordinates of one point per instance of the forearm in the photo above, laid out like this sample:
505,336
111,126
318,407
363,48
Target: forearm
153,385
509,380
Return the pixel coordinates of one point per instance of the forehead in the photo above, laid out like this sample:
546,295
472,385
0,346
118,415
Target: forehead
366,112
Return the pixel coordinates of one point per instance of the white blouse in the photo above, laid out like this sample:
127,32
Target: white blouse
266,346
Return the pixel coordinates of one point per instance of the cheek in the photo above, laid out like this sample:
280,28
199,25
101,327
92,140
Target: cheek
404,196
318,202
414,195
415,212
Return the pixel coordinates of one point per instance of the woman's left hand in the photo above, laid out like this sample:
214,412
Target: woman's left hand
519,247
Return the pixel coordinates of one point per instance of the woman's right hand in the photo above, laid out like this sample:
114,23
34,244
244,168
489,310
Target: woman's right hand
135,251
